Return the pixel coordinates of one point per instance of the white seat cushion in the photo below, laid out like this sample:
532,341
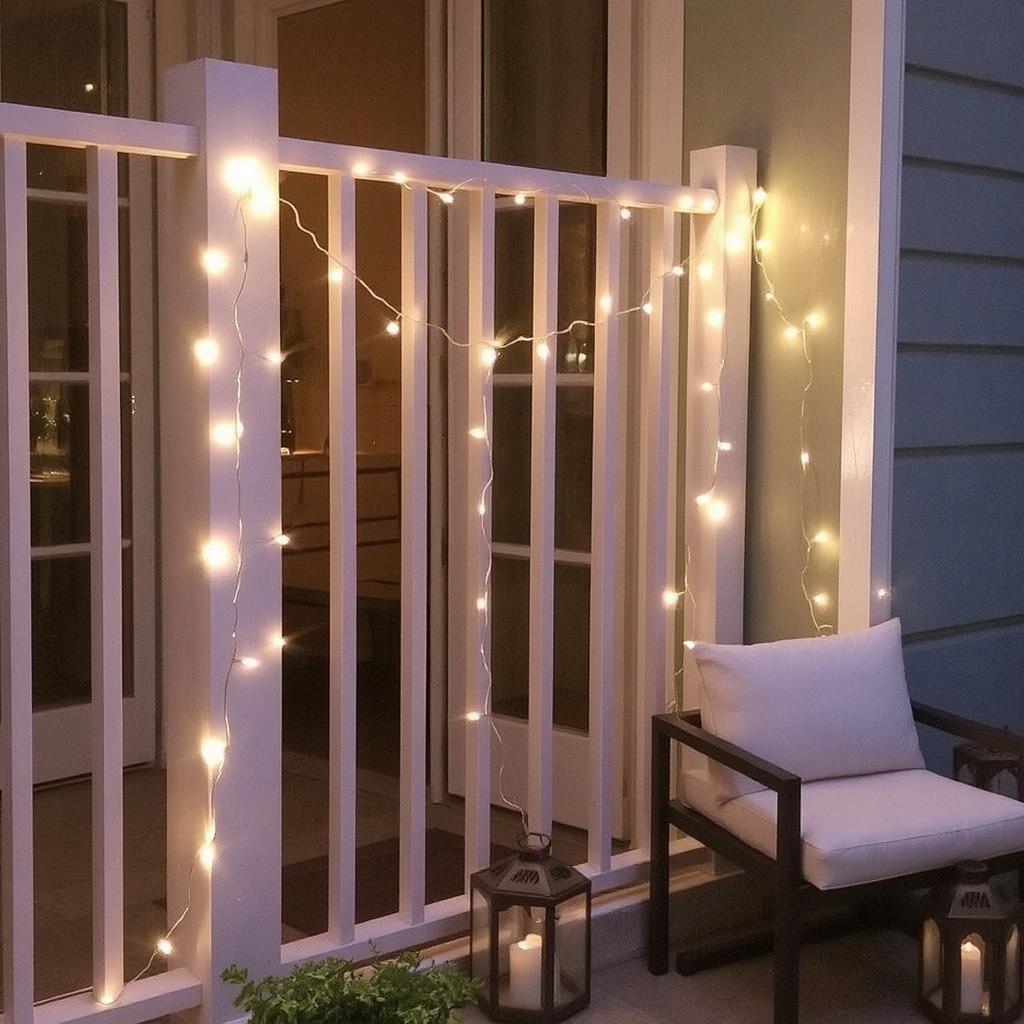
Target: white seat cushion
823,707
869,827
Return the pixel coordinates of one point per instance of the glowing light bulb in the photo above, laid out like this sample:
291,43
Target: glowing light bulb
717,511
472,716
393,329
481,604
212,750
224,434
881,593
679,270
703,499
792,333
213,261
815,320
242,174
447,198
704,271
760,196
361,168
670,598
606,303
821,600
648,308
488,355
805,459
581,358
275,356
707,386
335,275
708,205
89,86
725,446
215,554
206,351
543,351
262,200
822,537
249,662
625,213
762,245
714,318
520,199
689,644
106,999
478,434
769,296
280,641
734,241
482,509
399,177
282,539
206,855
164,947
686,202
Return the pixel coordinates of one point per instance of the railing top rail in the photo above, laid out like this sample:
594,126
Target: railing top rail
306,156
77,130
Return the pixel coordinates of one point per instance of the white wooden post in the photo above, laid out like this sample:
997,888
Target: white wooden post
341,243
15,591
479,402
236,904
105,574
716,401
412,836
606,532
542,512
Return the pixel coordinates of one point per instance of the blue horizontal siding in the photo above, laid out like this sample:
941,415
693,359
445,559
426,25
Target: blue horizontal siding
980,38
958,537
955,210
960,301
977,124
979,674
957,397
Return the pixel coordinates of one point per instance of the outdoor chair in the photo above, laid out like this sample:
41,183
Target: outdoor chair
814,781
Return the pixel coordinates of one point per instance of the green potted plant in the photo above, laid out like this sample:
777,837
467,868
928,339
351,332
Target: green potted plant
397,991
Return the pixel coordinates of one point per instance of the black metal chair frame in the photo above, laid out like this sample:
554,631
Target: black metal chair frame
792,894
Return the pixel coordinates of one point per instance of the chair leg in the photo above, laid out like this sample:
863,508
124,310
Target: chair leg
657,922
787,954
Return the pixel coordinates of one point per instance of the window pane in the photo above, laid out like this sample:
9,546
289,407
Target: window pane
545,83
510,630
60,632
510,521
574,459
513,286
572,646
59,463
577,266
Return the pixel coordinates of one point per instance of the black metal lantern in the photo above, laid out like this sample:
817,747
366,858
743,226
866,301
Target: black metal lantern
530,935
994,770
971,951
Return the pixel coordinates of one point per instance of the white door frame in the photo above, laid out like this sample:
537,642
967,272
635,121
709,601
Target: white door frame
62,738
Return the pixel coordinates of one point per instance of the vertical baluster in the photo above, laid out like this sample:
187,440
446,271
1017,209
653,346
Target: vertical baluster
414,554
478,528
105,574
15,591
341,209
606,527
542,511
655,617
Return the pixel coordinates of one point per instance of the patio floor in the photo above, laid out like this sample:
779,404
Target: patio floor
864,978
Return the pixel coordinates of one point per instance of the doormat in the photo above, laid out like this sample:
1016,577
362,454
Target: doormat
304,884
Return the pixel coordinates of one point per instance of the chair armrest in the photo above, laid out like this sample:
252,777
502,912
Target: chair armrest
977,732
682,728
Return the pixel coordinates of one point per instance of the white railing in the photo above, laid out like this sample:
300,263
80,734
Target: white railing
223,112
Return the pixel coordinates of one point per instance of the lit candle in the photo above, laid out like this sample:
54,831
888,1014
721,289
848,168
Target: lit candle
971,993
525,971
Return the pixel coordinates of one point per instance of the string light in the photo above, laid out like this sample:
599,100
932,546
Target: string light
393,329
678,270
715,318
670,598
361,169
704,271
881,593
282,540
206,855
212,751
717,511
446,197
206,351
488,356
275,356
280,641
648,308
473,716
520,199
164,947
213,261
224,434
544,352
821,600
215,554
626,213
335,275
399,177
707,386
725,446
249,662
478,434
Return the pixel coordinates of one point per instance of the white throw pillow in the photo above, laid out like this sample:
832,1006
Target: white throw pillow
822,708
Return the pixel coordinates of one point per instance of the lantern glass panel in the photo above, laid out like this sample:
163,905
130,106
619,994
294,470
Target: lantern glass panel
931,962
571,949
1013,967
481,939
974,989
521,957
